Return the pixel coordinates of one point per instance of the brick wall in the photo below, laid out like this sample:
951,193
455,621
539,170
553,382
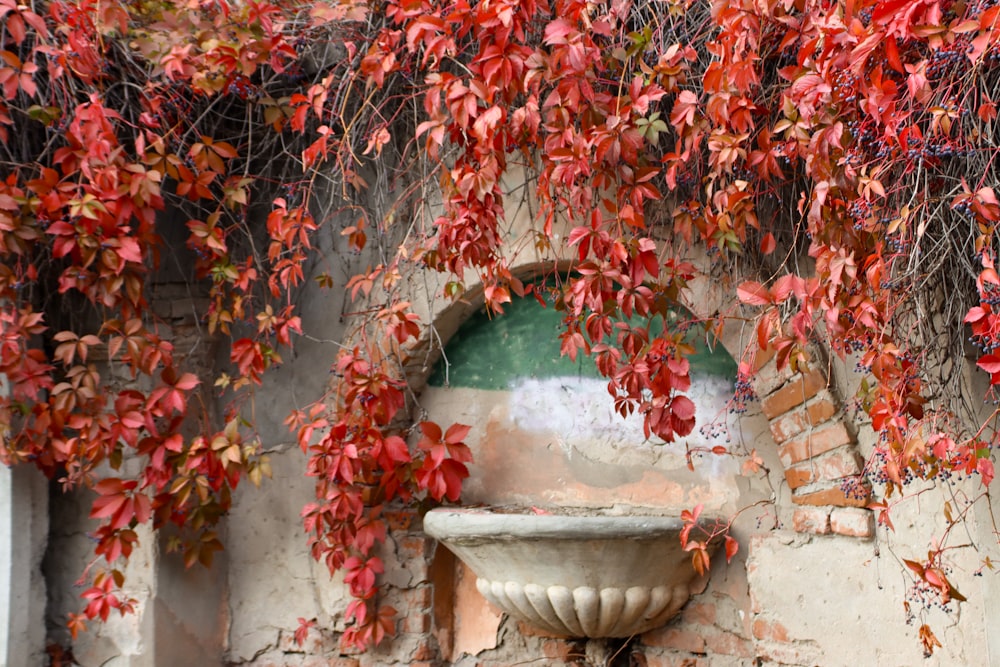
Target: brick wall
817,448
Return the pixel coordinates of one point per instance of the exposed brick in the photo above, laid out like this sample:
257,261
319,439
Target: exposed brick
343,662
834,496
787,654
558,649
815,412
674,661
811,520
677,638
837,464
315,643
424,651
418,598
702,613
726,643
412,546
416,623
852,522
795,393
814,443
399,520
769,630
767,377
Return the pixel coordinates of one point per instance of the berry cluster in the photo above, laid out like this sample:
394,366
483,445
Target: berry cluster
743,393
948,61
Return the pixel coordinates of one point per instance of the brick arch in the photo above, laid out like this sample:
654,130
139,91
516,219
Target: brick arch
817,447
814,436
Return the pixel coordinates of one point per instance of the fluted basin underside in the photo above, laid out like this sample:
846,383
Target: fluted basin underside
585,611
581,576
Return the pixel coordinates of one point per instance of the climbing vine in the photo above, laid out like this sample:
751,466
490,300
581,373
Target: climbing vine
839,153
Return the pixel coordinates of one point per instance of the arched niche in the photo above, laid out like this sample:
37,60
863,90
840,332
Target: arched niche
545,431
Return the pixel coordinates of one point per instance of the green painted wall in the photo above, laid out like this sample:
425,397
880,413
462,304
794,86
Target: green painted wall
522,343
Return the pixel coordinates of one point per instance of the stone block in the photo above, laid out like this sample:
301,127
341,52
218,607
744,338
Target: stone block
767,378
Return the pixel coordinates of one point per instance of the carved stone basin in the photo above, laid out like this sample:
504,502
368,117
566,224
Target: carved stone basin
581,576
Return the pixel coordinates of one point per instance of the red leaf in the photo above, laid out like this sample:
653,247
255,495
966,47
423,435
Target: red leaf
985,468
768,244
989,363
456,433
786,285
682,407
431,431
732,546
753,293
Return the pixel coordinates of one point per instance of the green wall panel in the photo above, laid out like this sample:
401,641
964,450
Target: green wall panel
494,353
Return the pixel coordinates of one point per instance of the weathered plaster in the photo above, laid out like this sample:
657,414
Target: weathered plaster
830,600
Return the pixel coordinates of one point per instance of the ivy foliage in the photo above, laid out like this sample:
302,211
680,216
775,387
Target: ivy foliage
842,152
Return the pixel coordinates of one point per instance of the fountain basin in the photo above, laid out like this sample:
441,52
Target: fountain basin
574,575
